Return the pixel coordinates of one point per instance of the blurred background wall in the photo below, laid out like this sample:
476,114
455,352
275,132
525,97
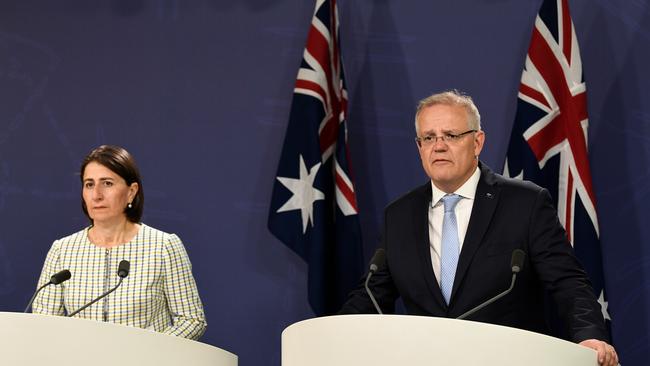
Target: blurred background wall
199,92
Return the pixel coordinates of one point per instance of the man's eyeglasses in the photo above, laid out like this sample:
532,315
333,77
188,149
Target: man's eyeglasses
450,138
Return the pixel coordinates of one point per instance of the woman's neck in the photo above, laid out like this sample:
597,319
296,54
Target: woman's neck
109,235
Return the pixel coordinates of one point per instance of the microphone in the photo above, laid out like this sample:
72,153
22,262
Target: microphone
517,260
516,265
377,259
56,279
122,271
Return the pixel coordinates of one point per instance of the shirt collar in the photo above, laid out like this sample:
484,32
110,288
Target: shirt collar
467,190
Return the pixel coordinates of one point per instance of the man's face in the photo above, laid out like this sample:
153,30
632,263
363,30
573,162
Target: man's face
448,163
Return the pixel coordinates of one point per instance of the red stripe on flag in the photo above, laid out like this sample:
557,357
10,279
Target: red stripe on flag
322,50
534,94
567,34
569,209
310,85
347,192
573,109
318,48
334,29
546,138
328,133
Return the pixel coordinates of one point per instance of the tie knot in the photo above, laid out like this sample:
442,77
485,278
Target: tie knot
450,201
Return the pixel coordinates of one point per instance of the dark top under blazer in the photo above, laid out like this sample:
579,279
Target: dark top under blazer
507,214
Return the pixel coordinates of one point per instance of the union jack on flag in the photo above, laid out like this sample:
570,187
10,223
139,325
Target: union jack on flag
313,206
548,144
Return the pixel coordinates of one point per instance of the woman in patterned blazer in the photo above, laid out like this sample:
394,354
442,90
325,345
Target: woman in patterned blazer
159,292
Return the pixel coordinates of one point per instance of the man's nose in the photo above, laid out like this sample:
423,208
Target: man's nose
440,145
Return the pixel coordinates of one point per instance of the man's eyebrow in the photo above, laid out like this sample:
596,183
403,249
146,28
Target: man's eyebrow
444,132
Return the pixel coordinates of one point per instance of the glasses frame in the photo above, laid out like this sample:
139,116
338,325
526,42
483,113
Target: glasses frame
430,140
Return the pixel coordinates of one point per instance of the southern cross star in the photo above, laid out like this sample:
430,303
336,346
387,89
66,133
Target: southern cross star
603,305
304,193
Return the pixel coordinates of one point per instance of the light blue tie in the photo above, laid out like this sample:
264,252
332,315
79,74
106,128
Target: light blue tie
450,246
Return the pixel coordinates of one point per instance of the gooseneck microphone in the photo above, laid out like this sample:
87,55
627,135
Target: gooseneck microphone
122,271
56,279
516,264
377,260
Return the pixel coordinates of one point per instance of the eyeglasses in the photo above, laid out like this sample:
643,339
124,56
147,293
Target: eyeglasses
450,138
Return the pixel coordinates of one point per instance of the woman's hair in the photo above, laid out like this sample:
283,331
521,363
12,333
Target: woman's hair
120,162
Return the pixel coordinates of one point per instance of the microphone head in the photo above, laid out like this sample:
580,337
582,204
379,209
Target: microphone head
123,268
377,259
517,261
60,277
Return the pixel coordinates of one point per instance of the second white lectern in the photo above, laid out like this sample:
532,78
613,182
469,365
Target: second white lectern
390,340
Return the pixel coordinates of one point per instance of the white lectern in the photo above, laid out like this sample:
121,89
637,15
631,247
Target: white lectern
32,339
390,340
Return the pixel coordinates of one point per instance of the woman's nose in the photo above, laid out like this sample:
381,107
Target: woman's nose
97,193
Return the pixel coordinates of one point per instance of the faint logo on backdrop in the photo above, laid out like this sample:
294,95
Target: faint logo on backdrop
24,74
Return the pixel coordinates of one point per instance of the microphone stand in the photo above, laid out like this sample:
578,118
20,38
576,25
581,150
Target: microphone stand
372,298
97,299
504,293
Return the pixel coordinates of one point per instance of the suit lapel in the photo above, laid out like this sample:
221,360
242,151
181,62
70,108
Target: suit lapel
421,223
485,203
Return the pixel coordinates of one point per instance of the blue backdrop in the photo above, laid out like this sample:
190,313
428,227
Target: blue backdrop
199,91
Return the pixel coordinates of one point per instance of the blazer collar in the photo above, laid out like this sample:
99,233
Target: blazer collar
421,216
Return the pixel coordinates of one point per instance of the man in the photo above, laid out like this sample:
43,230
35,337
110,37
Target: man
444,269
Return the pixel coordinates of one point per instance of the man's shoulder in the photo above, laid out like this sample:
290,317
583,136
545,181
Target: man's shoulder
509,185
512,187
417,195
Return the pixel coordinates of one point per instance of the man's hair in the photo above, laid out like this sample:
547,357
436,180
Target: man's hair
452,98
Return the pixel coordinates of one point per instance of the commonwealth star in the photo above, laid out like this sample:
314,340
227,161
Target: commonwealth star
304,193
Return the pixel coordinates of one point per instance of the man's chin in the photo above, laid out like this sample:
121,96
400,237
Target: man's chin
442,183
440,177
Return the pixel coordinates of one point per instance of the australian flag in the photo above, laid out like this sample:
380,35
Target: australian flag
314,207
548,144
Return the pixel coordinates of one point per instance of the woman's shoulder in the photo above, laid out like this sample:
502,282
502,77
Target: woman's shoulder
74,238
71,243
149,233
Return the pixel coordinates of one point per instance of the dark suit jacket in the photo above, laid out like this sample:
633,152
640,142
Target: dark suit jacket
507,214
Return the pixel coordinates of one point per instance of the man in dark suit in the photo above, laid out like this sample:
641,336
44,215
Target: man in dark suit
449,242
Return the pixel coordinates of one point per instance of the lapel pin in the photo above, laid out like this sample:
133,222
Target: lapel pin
489,195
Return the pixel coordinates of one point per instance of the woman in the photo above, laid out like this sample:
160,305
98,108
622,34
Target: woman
159,292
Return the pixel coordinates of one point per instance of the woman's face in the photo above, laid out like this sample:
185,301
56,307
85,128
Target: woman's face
105,193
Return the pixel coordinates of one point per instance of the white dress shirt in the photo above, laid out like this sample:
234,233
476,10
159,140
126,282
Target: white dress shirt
463,211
